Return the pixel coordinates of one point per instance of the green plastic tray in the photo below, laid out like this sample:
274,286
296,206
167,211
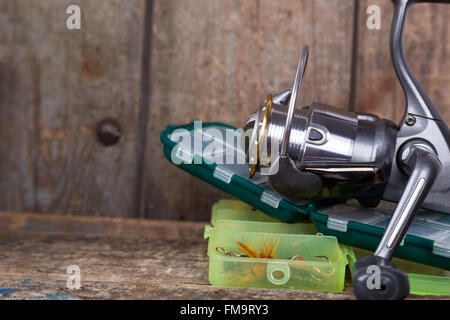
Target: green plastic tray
233,179
234,220
427,241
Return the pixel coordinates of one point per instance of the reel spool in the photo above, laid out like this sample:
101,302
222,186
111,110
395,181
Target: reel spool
320,151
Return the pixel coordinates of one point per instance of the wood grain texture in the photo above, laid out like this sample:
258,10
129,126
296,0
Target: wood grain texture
210,60
117,265
100,226
218,60
55,86
427,48
33,266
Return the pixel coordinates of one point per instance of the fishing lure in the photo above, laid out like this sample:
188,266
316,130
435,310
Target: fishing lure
244,274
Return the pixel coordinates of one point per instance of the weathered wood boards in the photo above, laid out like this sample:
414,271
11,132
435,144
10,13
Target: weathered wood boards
427,48
118,268
115,264
217,61
221,58
56,85
208,60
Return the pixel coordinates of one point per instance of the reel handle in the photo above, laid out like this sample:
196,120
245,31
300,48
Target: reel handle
421,162
417,156
423,165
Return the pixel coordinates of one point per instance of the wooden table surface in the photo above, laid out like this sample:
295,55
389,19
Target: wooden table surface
118,259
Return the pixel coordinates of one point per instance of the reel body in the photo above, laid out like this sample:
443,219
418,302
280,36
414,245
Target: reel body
328,155
335,154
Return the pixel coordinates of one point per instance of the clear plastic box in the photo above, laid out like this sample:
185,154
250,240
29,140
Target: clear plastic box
302,260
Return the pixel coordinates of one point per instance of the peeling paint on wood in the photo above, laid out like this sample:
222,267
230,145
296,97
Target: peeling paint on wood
123,265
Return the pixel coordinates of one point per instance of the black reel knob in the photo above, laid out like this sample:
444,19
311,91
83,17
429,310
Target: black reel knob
375,278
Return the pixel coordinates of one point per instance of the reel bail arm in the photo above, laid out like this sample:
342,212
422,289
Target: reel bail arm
284,175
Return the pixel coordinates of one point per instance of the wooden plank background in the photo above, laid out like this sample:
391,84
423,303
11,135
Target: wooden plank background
427,47
56,86
143,64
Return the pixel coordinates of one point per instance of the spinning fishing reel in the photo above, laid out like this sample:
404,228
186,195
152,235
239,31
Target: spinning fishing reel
327,155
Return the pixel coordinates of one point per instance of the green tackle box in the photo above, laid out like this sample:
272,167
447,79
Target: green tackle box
212,152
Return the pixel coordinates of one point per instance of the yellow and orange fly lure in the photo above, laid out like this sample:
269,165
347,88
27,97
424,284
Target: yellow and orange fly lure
267,251
255,271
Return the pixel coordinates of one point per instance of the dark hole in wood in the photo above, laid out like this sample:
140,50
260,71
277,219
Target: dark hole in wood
108,132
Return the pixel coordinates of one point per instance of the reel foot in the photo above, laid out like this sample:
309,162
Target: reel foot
392,284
